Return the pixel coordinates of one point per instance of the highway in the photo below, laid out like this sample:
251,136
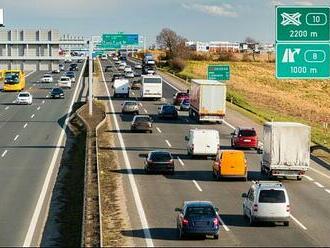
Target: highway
159,195
31,138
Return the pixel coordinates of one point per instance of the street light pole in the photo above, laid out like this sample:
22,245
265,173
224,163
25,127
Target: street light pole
90,79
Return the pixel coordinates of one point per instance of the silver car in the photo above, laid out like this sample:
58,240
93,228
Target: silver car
131,107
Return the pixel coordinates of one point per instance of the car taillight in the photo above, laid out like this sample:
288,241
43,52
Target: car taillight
185,222
255,207
216,221
288,208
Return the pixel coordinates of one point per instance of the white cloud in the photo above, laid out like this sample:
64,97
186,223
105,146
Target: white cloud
215,10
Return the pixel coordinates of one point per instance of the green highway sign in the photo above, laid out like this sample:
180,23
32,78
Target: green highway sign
120,39
218,72
302,23
108,46
303,60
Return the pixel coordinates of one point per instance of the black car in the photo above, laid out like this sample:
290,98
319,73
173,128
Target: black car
116,76
79,61
73,67
168,111
57,93
159,161
108,68
141,123
198,218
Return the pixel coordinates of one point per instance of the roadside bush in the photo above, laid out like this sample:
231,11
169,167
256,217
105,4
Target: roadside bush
226,56
200,56
247,57
177,64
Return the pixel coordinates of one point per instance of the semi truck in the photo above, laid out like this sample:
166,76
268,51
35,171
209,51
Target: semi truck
285,149
207,100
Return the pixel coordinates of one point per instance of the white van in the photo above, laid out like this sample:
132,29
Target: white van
121,87
267,201
203,142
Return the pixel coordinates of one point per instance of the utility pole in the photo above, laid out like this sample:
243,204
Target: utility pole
90,78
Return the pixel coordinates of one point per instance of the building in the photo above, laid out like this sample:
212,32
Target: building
213,46
29,49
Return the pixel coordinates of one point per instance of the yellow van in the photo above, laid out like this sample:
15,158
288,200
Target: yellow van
230,163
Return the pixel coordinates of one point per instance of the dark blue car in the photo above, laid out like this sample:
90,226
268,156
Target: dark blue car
168,111
198,218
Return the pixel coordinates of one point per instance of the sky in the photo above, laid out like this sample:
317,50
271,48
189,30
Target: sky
202,20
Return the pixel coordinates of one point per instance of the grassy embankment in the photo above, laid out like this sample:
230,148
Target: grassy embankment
253,87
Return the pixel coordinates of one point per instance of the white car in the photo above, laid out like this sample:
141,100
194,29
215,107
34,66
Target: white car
138,66
24,98
104,57
47,78
129,74
267,201
115,59
64,82
123,63
121,67
128,69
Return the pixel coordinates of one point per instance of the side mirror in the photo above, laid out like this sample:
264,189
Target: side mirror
244,195
186,138
178,209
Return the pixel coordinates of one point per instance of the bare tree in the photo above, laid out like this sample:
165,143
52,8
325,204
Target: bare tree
250,40
173,43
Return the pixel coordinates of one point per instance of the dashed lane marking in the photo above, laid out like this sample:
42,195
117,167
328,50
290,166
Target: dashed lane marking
25,125
160,131
197,186
168,143
318,185
16,137
32,116
38,108
298,222
4,153
180,161
6,107
309,178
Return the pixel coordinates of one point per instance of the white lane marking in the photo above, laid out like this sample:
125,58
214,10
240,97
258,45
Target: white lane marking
4,153
14,101
224,225
197,186
25,125
140,104
228,124
160,131
145,111
298,222
32,116
133,93
309,178
37,210
16,137
136,195
180,161
319,172
43,101
47,96
168,143
30,88
30,73
34,84
6,107
327,190
318,185
38,108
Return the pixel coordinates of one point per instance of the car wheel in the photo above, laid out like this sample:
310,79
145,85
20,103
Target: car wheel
251,220
180,234
299,178
216,236
150,131
213,173
286,223
146,170
172,172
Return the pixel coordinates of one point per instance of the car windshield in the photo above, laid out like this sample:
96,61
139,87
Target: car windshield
47,76
247,133
182,95
11,77
69,73
168,108
130,103
64,79
152,80
271,196
160,156
185,101
200,211
24,95
57,90
142,119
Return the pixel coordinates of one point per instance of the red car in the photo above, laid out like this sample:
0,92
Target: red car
179,96
244,138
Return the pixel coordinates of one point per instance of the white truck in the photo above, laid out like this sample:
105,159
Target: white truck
286,149
151,87
121,88
207,100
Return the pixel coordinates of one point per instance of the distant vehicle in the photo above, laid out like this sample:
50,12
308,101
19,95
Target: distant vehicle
64,82
104,57
116,76
185,105
129,74
57,93
73,67
138,66
152,87
71,75
142,123
198,218
286,149
121,88
128,69
179,96
148,70
14,80
47,78
136,85
168,111
137,74
67,59
24,98
123,63
79,61
204,142
121,67
207,100
244,138
130,107
108,68
230,163
115,58
56,71
267,201
159,161
117,62
61,67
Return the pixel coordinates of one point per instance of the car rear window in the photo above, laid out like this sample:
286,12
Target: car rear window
130,103
168,108
57,90
200,211
24,95
142,119
247,133
182,95
271,196
160,157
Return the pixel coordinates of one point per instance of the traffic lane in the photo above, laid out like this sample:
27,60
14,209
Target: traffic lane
153,188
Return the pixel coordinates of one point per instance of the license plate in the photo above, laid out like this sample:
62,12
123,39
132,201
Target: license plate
200,223
57,95
247,140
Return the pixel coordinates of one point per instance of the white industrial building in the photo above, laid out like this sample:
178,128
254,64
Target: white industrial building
213,46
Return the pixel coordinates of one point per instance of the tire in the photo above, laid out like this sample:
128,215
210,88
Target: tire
172,172
150,131
251,220
286,223
216,236
299,178
146,170
180,234
213,174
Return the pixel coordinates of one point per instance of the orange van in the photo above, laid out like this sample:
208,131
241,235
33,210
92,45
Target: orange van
230,163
